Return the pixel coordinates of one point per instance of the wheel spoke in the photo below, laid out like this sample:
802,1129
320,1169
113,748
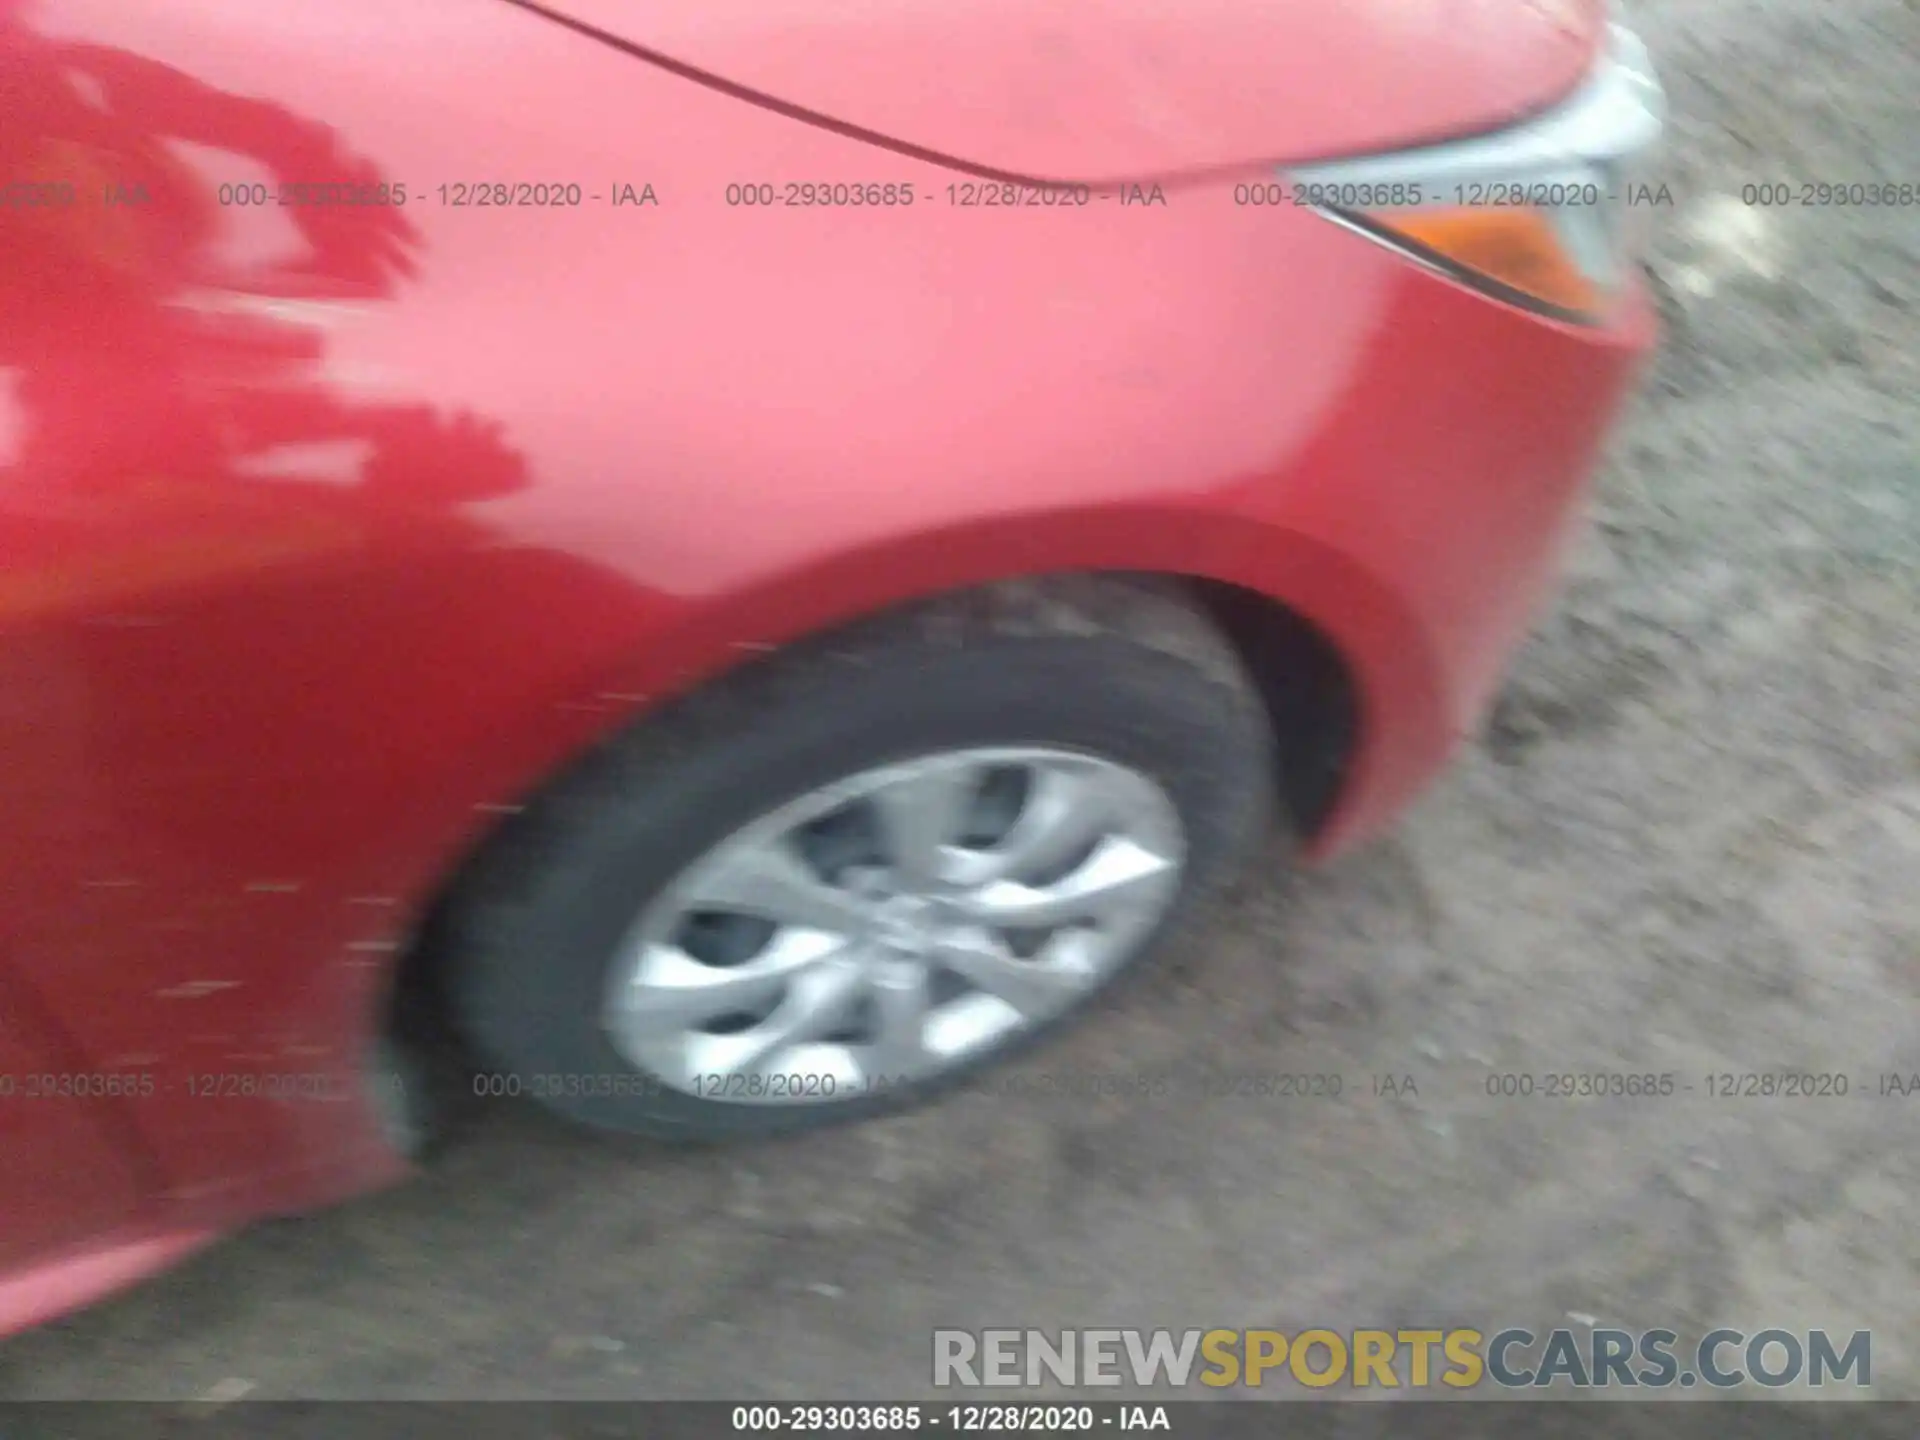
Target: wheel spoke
772,881
919,814
900,1006
671,991
1064,811
1119,878
816,1001
979,957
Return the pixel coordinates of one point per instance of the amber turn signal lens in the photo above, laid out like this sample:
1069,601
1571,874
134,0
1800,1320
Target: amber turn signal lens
1513,246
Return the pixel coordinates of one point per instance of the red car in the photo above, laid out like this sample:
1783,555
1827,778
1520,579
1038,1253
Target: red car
740,562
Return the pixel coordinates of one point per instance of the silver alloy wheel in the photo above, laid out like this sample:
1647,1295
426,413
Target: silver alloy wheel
894,925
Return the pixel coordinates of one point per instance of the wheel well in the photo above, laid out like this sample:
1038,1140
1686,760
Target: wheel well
1302,679
1309,693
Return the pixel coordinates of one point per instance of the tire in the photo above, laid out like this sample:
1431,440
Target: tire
1117,673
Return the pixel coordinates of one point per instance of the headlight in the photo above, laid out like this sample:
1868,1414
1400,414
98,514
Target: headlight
1540,214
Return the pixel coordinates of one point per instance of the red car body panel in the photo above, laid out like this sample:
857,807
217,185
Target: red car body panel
328,533
1094,89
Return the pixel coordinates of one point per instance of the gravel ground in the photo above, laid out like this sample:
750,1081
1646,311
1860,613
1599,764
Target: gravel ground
1688,842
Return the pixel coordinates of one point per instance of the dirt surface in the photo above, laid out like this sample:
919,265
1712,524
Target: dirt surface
1689,843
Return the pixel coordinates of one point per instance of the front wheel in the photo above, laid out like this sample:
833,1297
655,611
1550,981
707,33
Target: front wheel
849,876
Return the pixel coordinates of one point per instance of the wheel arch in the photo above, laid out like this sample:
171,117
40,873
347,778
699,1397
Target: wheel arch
1308,688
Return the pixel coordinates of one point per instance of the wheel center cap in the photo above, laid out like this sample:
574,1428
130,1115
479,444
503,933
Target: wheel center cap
904,923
